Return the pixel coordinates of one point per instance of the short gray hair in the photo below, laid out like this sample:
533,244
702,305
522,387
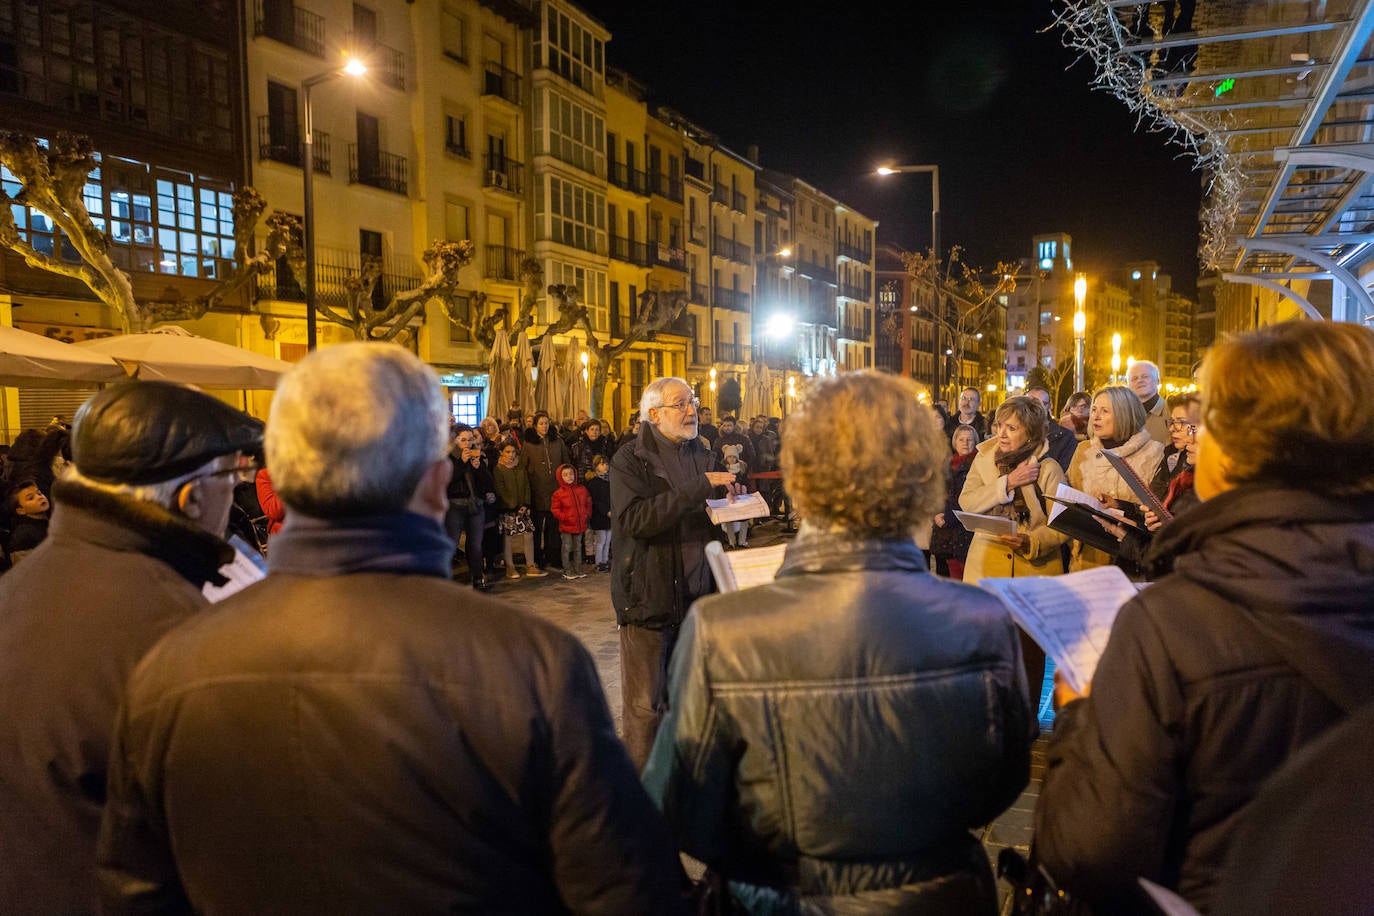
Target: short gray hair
353,428
1154,370
653,394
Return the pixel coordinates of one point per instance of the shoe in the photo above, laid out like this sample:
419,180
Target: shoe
603,567
534,572
482,586
511,573
579,575
744,546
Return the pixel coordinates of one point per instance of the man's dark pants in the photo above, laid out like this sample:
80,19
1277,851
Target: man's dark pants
460,519
546,539
644,656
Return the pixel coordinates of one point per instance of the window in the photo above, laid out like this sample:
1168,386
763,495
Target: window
465,404
591,283
569,50
456,134
457,221
571,132
571,214
1020,341
452,35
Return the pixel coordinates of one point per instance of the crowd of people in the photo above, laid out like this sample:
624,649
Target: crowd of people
357,732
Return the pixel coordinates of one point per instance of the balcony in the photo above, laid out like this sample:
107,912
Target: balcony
666,186
701,355
331,285
856,332
502,173
386,171
667,256
732,353
739,202
500,82
626,178
731,299
721,195
853,252
503,262
386,65
283,21
816,272
698,293
850,291
731,250
696,233
630,251
277,143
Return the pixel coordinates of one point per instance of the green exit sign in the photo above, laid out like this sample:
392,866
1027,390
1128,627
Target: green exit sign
1225,87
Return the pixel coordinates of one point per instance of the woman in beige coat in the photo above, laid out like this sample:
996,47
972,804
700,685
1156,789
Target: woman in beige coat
1117,422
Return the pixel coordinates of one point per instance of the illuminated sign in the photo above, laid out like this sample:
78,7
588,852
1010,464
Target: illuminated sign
1225,86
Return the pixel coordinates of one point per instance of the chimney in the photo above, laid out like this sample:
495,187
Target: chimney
752,153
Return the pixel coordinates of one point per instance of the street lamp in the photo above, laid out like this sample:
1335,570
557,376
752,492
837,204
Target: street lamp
1080,324
1116,356
355,68
934,172
586,376
780,326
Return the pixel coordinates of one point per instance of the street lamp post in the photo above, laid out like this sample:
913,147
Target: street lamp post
354,67
1080,324
934,172
1116,356
780,327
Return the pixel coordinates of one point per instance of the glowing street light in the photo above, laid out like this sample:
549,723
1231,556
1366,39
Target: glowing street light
1116,356
354,68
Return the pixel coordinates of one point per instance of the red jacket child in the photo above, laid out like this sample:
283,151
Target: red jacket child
571,504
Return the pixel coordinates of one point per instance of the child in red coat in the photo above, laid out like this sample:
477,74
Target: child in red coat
572,506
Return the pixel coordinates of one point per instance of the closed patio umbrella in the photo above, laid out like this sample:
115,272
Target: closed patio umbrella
548,389
501,373
524,362
174,354
34,361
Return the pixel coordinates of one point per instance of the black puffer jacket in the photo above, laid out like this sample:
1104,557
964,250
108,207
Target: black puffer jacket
1213,677
839,732
652,522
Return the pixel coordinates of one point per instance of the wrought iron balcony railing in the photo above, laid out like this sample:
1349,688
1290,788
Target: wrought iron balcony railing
290,24
281,143
503,262
502,173
622,176
501,82
731,299
386,171
853,252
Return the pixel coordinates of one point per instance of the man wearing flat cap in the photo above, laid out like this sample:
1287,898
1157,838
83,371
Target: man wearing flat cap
136,533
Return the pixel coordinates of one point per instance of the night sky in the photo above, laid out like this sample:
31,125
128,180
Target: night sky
1023,143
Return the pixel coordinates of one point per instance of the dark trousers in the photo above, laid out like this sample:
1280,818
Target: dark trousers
546,538
461,519
644,656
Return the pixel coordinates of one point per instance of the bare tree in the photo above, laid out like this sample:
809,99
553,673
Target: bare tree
975,302
52,180
657,309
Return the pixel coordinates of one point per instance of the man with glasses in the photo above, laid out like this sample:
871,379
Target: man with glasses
660,482
136,533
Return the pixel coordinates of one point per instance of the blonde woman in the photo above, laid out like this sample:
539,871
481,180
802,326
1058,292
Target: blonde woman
1117,422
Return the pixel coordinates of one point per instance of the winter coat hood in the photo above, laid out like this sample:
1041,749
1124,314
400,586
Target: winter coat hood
562,484
1301,568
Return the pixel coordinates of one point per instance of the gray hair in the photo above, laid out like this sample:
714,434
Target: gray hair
653,394
1154,370
162,493
353,428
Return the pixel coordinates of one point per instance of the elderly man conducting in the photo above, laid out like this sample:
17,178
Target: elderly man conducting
358,734
136,534
660,482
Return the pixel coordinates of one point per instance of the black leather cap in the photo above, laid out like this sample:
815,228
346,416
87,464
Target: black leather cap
148,432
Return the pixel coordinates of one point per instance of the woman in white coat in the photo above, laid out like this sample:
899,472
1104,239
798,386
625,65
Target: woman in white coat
1009,478
1117,422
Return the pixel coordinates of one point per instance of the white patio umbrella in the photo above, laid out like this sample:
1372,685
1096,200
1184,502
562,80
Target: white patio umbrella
549,388
174,354
576,385
501,374
524,362
35,361
758,390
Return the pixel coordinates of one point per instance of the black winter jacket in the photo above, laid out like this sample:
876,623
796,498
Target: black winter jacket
840,732
358,734
651,521
541,458
1212,678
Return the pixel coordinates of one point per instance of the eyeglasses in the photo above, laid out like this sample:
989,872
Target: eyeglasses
694,403
1188,428
243,472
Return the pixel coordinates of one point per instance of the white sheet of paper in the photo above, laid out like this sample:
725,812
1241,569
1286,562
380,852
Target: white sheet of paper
1169,903
246,568
988,524
1068,493
751,505
739,569
1070,616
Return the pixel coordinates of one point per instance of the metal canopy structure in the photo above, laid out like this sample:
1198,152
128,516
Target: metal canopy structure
1276,100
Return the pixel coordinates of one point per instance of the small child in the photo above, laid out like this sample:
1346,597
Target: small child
599,486
27,509
736,533
572,506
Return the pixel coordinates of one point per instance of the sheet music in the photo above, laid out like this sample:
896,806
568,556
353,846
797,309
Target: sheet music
1070,616
988,524
743,568
1069,494
751,505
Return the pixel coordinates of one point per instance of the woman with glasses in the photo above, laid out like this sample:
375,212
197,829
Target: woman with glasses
1255,640
1173,482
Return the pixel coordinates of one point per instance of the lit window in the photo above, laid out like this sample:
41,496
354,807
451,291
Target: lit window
1046,263
1135,275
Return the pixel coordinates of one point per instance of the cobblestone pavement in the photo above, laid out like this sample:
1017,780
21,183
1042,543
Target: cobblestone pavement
583,607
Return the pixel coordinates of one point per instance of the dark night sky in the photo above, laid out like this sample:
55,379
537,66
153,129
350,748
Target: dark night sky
1023,143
